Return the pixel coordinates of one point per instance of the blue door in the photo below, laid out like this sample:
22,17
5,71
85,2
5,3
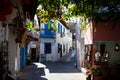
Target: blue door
26,53
22,58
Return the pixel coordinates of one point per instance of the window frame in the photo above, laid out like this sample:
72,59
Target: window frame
47,48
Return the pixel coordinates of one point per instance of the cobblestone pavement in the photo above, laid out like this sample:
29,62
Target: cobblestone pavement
51,71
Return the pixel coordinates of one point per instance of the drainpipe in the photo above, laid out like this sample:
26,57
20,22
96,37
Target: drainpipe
93,56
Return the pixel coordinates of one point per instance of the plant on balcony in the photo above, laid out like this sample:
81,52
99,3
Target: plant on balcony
52,25
29,25
97,72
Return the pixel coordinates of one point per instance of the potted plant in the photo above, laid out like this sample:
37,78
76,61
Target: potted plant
97,71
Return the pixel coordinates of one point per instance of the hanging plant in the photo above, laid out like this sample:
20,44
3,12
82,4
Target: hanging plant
23,40
29,25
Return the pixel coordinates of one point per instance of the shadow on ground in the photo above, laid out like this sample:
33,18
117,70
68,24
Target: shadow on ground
61,67
32,72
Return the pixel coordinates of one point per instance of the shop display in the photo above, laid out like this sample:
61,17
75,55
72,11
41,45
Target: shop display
3,59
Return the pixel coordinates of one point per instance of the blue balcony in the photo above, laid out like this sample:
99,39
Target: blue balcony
45,33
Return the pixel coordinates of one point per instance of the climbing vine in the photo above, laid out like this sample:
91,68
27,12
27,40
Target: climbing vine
99,10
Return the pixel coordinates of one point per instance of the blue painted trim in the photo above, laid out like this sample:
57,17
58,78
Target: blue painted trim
22,58
47,34
26,53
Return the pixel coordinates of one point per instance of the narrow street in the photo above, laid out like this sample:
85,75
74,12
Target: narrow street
62,70
38,39
52,71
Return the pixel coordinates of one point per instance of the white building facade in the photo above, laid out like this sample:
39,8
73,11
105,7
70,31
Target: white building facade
59,43
12,22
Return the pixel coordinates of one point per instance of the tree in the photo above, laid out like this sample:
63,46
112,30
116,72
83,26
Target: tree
99,10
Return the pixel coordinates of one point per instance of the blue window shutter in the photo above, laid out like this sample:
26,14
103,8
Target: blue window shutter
47,48
58,28
46,26
61,29
64,30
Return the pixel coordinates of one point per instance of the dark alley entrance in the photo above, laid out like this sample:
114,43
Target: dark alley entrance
33,54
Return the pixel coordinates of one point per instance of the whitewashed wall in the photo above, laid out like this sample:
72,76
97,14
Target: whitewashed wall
14,54
66,40
49,57
14,50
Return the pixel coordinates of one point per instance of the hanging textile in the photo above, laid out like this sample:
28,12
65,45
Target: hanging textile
5,9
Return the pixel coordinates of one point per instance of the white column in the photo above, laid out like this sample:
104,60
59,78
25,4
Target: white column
78,45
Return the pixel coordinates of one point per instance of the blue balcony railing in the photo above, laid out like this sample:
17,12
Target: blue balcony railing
45,33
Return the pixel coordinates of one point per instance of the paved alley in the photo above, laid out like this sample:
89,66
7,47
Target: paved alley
52,71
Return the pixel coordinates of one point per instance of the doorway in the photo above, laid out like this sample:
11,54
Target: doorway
33,54
60,51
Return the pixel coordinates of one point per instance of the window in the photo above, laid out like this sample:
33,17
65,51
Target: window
63,48
58,47
64,30
59,28
47,48
46,26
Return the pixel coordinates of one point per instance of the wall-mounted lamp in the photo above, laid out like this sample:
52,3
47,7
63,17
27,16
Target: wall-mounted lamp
116,47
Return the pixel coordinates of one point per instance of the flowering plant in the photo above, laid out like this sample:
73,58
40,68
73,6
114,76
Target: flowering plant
96,70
